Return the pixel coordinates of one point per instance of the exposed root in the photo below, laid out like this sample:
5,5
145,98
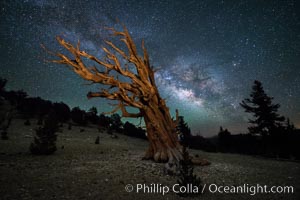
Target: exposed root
149,154
172,158
200,162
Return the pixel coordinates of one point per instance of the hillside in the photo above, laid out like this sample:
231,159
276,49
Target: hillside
82,170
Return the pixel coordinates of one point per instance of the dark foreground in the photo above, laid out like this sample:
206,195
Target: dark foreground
82,170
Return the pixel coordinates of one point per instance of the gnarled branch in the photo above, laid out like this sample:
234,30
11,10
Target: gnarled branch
142,83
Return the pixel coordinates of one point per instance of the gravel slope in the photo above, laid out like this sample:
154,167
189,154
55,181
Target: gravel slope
83,170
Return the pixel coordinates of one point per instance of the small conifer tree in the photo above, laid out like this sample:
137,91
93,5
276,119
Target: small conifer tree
45,140
183,131
186,174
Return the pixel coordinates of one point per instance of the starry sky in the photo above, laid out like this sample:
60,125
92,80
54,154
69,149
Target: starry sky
208,52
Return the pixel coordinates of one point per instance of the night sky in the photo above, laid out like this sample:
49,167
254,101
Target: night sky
208,52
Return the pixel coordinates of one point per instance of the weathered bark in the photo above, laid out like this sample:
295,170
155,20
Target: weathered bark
141,92
161,132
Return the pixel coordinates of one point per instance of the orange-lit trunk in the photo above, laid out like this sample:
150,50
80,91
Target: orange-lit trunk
161,133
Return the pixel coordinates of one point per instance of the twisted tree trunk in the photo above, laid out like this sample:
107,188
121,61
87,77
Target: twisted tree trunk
161,132
140,92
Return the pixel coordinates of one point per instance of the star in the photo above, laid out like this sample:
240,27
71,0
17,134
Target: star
208,52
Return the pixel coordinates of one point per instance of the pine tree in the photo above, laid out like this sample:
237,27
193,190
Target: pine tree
266,119
116,123
289,126
92,116
45,139
224,133
224,140
183,130
78,116
93,110
2,85
186,174
6,111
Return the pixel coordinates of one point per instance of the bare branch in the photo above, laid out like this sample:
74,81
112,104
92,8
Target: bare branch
139,92
127,114
142,86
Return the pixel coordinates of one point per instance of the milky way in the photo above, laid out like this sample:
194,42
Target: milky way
208,52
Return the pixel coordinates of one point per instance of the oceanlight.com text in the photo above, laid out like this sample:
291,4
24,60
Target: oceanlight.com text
211,188
250,189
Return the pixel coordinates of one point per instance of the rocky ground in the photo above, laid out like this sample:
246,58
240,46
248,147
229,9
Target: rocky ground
80,169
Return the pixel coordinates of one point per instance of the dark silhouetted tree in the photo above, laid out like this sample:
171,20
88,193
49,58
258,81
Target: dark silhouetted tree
45,140
15,97
6,112
116,123
132,131
5,121
78,116
266,119
62,111
187,176
184,132
92,115
93,110
223,133
33,106
224,140
289,126
104,121
2,86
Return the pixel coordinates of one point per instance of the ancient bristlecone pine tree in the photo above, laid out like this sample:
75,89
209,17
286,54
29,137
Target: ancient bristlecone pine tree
140,92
